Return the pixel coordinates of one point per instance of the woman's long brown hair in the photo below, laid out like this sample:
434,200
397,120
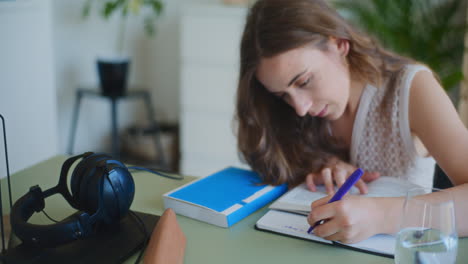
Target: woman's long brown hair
281,146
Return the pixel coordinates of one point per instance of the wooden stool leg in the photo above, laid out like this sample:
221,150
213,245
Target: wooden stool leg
157,131
76,111
115,133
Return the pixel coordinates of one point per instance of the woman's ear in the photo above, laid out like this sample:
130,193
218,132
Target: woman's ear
341,45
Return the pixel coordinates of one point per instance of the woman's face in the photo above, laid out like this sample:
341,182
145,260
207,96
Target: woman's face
310,80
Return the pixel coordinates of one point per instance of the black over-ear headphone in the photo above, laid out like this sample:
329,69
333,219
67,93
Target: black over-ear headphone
102,189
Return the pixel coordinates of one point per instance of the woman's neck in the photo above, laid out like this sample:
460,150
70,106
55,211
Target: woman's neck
355,92
342,128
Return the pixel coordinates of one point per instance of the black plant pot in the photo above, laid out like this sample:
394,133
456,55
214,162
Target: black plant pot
113,76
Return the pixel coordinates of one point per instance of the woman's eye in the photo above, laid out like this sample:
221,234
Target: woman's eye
304,83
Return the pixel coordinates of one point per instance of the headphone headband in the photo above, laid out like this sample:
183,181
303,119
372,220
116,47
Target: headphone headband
44,235
62,184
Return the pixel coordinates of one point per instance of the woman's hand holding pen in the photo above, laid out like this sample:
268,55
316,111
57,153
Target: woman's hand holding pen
349,220
355,218
336,173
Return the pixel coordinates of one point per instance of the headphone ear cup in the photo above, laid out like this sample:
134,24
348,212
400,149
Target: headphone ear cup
117,196
90,189
81,175
123,189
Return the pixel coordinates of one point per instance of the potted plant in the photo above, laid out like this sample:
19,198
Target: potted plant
428,31
113,71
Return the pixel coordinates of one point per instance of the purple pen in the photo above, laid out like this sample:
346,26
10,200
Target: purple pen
342,191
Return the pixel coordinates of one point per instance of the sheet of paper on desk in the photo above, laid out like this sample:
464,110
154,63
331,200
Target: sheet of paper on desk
296,225
288,224
298,199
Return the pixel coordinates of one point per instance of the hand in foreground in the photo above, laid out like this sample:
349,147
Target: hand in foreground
336,173
167,242
350,220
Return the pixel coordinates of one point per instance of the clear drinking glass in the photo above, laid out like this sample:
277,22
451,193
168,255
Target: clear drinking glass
427,231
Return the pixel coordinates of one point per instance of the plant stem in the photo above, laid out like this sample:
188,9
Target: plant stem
121,35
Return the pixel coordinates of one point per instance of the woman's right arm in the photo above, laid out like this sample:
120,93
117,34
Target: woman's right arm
356,218
460,198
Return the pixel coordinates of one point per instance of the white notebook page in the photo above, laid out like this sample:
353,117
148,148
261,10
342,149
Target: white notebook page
299,199
297,226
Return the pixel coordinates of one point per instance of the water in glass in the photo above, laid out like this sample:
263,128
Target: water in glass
428,232
425,246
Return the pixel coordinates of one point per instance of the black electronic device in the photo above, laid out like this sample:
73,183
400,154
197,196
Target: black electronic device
102,230
111,244
102,189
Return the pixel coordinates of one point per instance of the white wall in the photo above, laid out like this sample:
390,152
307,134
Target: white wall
210,37
47,50
27,89
155,65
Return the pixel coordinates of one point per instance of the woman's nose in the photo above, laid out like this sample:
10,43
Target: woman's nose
301,104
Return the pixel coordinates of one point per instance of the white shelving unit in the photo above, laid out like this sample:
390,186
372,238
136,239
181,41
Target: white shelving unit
210,37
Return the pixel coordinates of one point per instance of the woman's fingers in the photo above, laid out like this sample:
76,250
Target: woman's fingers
320,202
328,180
361,186
370,176
310,182
367,177
339,175
327,229
321,212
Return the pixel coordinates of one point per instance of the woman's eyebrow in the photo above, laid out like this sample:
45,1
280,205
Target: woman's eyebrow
295,78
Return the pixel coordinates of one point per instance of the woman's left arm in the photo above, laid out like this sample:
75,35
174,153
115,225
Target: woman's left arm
435,121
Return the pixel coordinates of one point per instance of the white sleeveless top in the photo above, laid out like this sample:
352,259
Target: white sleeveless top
381,139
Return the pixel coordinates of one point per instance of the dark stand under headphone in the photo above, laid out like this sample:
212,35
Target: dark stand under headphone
113,245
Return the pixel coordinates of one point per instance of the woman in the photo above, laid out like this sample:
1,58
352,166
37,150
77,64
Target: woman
317,98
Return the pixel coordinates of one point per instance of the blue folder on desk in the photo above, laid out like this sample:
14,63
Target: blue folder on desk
223,198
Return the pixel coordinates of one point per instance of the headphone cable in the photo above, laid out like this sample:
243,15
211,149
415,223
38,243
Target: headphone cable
50,218
181,177
140,223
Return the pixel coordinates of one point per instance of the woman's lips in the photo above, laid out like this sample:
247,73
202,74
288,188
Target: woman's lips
323,112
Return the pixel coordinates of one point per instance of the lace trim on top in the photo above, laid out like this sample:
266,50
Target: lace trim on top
381,139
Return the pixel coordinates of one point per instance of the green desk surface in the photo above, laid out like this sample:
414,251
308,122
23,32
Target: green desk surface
205,243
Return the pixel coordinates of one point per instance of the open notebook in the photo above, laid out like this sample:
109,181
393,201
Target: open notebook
289,215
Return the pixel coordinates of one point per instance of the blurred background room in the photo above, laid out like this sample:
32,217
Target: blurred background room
183,56
188,64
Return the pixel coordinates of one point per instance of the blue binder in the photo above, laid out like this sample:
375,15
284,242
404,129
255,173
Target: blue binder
223,198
